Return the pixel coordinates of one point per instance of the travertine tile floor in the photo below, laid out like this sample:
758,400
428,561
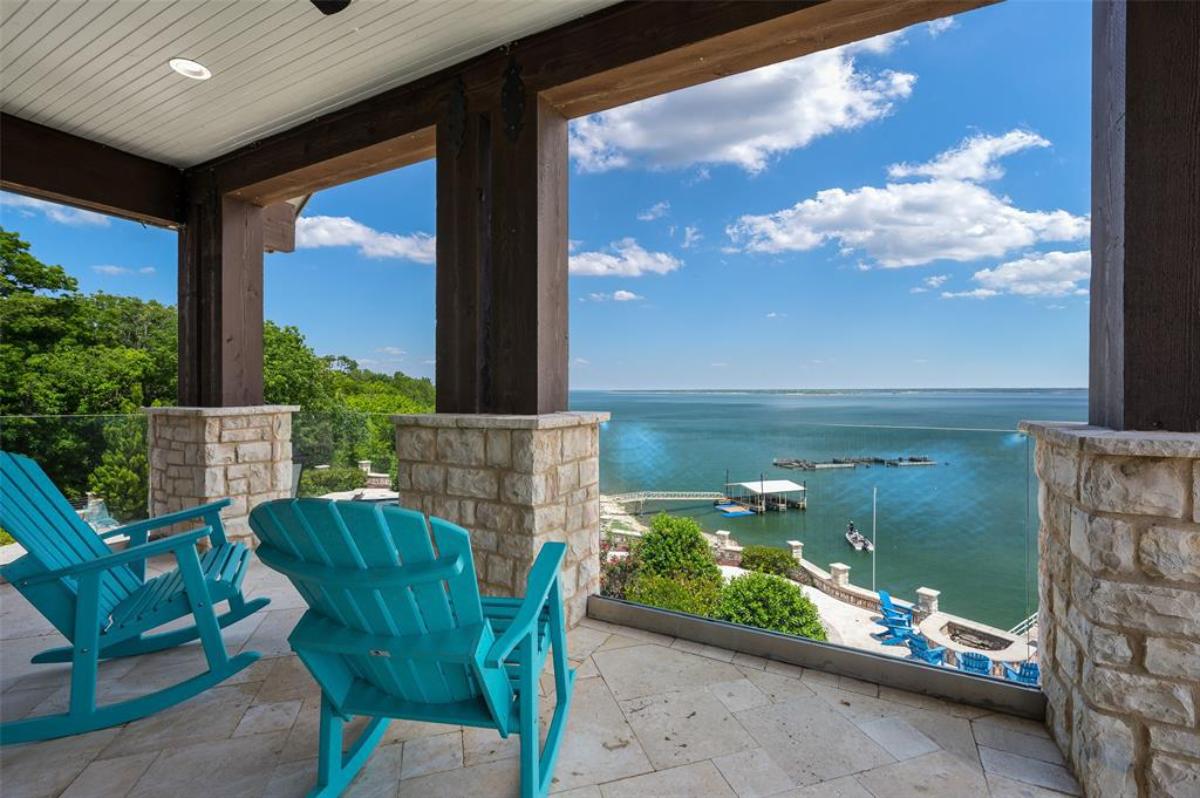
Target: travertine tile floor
653,716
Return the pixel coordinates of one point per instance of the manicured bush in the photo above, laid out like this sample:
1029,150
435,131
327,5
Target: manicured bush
695,596
770,602
319,481
675,547
768,560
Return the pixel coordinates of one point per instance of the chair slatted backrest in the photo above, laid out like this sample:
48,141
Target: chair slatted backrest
41,519
354,536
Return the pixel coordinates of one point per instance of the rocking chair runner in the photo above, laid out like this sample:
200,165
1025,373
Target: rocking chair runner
397,631
101,602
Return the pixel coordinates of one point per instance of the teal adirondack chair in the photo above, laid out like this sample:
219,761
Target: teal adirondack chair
101,601
397,631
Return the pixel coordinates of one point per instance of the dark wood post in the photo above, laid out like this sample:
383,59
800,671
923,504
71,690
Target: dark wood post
1145,308
502,254
220,300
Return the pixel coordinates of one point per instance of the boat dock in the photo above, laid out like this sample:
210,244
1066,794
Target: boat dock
763,495
799,464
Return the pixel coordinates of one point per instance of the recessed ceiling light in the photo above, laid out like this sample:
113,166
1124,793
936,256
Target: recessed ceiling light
190,69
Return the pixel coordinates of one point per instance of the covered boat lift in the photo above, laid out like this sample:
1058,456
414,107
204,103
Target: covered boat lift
761,495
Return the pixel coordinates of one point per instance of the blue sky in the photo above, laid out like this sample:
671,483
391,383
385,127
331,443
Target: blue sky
907,212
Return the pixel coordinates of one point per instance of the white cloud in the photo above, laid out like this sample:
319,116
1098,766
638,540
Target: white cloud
718,365
579,361
63,214
973,159
744,120
623,258
933,281
111,271
691,237
147,270
342,231
937,27
394,351
655,211
1051,274
910,224
774,315
620,295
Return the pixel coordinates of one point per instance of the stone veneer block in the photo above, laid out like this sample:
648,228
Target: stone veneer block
201,454
515,482
1119,621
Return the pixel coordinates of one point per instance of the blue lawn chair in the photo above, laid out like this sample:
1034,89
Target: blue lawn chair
395,631
920,650
974,662
1028,673
894,636
101,601
891,609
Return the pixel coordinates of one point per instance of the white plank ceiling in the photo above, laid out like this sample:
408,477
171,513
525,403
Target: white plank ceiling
98,68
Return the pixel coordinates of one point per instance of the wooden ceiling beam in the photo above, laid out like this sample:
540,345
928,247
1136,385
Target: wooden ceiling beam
48,164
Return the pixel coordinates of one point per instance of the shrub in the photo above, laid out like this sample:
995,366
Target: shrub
675,547
768,560
615,572
770,602
695,596
319,481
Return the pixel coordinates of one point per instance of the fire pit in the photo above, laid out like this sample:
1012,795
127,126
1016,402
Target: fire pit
961,635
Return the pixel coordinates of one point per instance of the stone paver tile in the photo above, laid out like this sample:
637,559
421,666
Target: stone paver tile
598,744
270,638
212,715
1003,738
852,685
489,780
266,718
845,787
240,767
16,704
739,694
1016,724
753,773
1031,771
815,677
777,688
110,778
425,755
649,670
288,679
591,791
685,726
486,745
704,650
785,669
750,661
952,734
586,669
1008,788
810,741
911,699
699,780
627,632
44,769
583,640
857,707
292,779
380,775
937,774
899,738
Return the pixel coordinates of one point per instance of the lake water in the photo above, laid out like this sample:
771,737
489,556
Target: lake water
966,526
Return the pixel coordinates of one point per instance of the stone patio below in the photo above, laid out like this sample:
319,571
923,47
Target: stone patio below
653,716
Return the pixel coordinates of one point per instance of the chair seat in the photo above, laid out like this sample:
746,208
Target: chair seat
162,598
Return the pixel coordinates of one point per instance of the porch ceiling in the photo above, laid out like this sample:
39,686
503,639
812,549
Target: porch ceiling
99,70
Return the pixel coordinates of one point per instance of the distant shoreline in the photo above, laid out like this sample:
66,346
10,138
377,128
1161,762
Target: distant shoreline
826,391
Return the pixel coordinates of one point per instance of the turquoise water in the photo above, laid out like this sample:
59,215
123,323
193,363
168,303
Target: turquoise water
966,526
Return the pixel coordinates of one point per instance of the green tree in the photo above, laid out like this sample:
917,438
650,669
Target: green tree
120,479
770,602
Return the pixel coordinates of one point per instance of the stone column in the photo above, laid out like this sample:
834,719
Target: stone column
797,550
840,572
927,601
1119,610
515,482
201,454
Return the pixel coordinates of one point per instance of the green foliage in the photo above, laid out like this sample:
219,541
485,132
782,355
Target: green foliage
120,479
768,560
319,481
694,596
675,547
615,572
5,538
769,602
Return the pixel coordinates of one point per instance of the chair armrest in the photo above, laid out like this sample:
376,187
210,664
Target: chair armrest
138,528
542,577
131,554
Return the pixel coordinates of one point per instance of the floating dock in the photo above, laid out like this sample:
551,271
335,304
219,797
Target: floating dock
799,464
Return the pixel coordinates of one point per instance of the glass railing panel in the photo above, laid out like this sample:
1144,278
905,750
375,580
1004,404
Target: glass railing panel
345,453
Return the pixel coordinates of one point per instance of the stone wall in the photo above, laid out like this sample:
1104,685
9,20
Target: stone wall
201,454
515,482
1119,619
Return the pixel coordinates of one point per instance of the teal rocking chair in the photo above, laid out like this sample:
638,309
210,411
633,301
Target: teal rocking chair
102,603
395,630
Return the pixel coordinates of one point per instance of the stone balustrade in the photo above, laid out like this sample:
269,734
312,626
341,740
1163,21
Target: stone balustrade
515,482
202,454
1119,618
